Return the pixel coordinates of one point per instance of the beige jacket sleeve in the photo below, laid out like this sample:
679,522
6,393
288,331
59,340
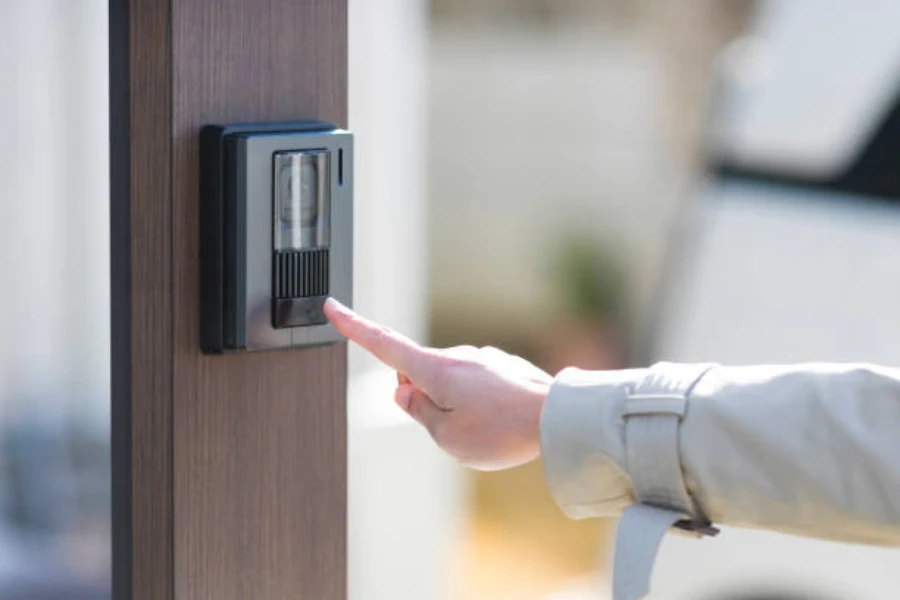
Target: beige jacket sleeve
809,449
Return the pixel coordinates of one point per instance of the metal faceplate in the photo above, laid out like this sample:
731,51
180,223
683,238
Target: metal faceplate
252,216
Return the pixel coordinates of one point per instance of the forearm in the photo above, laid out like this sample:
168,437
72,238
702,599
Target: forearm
807,449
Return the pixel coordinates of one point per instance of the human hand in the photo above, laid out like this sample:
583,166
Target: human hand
480,405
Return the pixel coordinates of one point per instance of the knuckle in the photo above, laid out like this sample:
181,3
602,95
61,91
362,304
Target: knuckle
460,351
493,352
490,353
381,334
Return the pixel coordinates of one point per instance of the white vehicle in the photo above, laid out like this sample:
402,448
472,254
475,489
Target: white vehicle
792,253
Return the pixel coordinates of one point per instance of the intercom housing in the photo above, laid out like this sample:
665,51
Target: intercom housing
276,233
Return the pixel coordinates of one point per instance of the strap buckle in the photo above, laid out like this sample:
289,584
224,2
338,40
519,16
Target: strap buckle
701,527
652,417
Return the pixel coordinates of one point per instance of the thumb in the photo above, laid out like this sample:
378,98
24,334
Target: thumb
419,406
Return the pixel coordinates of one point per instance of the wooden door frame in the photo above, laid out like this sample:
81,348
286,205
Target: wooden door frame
229,472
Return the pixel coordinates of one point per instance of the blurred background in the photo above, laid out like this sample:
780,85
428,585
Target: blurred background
599,183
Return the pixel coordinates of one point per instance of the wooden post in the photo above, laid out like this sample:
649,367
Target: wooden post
229,472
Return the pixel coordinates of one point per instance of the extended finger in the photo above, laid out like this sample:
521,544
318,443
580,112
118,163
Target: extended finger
390,347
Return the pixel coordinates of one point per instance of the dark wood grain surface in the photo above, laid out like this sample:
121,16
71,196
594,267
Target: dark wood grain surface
250,448
141,303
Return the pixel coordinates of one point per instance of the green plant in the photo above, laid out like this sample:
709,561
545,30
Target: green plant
589,280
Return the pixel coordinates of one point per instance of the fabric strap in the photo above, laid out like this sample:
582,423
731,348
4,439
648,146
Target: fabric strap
652,414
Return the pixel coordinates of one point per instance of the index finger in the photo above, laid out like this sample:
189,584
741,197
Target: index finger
388,346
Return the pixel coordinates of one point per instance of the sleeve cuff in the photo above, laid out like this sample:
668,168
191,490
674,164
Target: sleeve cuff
582,441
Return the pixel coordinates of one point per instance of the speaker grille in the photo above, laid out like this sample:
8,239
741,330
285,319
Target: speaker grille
300,273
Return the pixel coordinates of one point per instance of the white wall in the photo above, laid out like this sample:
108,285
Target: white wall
54,203
405,496
54,282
